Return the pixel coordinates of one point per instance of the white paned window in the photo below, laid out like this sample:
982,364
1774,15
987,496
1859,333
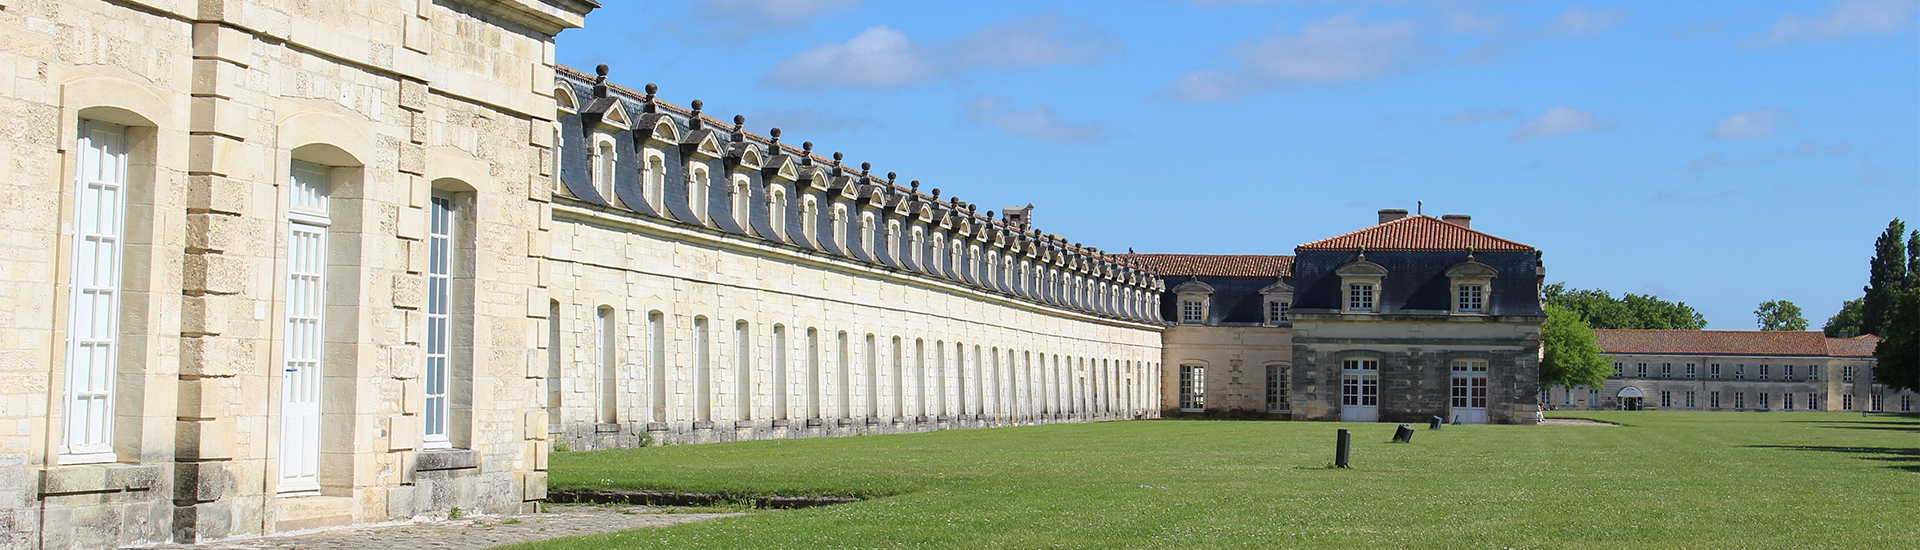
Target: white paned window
697,184
1193,388
1786,401
93,318
439,342
1277,311
777,212
1277,386
604,361
302,370
1192,311
1360,297
1471,298
656,178
603,160
741,194
742,371
1691,370
1846,402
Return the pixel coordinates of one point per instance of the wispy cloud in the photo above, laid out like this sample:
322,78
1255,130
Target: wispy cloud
1751,125
1037,123
1842,19
884,57
742,17
1330,51
1808,148
1559,121
1473,117
1584,21
1466,22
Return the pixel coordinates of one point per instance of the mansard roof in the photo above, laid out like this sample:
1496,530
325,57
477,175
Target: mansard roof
1416,233
1212,265
1732,342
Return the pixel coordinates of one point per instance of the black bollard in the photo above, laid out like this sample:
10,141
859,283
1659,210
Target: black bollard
1342,449
1436,423
1403,435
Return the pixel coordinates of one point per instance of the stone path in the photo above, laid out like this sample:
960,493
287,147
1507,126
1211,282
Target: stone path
1572,422
465,533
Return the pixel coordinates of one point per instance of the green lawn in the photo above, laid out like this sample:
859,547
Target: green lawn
1662,480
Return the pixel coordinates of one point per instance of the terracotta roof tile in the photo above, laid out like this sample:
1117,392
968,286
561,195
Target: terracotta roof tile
1416,233
1859,346
1715,342
1212,265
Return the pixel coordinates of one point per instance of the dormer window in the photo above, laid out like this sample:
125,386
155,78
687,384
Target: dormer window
655,179
741,195
1362,280
1277,311
840,227
809,220
697,192
1360,297
1195,297
1279,300
1470,298
777,211
603,160
1192,311
1471,280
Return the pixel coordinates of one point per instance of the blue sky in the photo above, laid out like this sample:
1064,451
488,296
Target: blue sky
1716,153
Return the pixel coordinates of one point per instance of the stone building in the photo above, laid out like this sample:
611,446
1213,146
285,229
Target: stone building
269,263
1408,319
1735,370
278,264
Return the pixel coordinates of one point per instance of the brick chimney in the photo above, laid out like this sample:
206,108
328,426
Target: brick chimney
1462,220
1390,214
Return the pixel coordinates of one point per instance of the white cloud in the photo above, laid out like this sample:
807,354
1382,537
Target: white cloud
1761,124
1329,51
1473,117
1037,123
1843,19
1043,41
879,56
748,16
1559,121
1580,20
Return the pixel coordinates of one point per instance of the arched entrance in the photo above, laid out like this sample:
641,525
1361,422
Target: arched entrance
1629,398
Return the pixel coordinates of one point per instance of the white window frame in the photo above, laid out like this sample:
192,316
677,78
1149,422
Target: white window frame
605,157
1193,388
1472,298
777,210
1193,311
93,304
303,350
654,175
438,345
1361,297
742,191
698,182
1279,389
1786,401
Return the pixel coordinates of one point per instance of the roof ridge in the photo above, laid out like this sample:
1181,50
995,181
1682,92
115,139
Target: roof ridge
1427,221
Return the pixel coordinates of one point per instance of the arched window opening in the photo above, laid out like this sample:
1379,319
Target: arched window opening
780,368
657,363
656,179
742,371
607,374
603,161
702,371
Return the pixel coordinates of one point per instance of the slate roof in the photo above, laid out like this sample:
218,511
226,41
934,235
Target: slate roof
1732,342
1859,346
1212,265
1416,233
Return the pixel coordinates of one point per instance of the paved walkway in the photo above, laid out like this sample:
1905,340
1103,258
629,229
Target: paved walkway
1573,422
467,533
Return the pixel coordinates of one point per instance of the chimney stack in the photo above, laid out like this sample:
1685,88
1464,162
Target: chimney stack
1390,214
1462,220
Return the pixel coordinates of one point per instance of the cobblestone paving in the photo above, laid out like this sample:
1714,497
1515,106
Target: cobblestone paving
465,533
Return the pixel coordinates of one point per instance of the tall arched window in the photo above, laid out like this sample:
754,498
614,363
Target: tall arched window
780,368
893,241
741,195
302,357
872,349
742,371
657,363
777,212
607,373
899,379
843,372
866,233
920,377
960,379
697,183
940,376
913,247
840,228
979,382
810,220
554,387
813,373
702,371
559,161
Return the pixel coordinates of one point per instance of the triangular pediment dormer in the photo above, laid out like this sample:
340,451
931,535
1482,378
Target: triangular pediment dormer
701,145
1472,270
656,129
616,116
1278,287
782,168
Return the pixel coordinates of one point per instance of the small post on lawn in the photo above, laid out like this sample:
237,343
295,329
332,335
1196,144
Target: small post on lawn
1404,434
1436,423
1342,449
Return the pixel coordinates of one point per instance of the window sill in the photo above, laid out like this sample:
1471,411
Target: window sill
447,459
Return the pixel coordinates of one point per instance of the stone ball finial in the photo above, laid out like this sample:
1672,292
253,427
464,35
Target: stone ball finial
892,176
602,70
775,132
837,156
915,184
697,104
652,88
936,193
865,166
739,120
989,214
807,146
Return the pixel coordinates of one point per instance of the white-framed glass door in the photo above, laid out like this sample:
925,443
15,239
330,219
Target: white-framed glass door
1360,390
93,308
303,371
1467,401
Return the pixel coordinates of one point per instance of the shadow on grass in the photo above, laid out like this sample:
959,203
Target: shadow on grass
1901,458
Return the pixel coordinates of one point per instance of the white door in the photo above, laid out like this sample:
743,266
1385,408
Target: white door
1468,401
302,373
94,307
1360,390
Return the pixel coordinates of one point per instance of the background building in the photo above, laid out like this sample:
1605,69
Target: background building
1735,370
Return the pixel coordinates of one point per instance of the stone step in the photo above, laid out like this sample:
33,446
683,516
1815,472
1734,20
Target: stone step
313,512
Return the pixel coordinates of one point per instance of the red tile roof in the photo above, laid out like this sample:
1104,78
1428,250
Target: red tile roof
1728,342
1211,265
1859,346
1416,233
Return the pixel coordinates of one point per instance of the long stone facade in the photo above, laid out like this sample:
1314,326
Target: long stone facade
1735,370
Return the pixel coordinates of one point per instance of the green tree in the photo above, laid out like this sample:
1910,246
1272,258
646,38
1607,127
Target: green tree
1884,282
1899,354
1570,353
1600,310
1847,321
1780,315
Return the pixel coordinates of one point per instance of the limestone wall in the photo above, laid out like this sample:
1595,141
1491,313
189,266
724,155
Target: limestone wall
964,358
1236,361
1415,355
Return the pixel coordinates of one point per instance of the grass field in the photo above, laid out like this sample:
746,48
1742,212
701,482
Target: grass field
1661,480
